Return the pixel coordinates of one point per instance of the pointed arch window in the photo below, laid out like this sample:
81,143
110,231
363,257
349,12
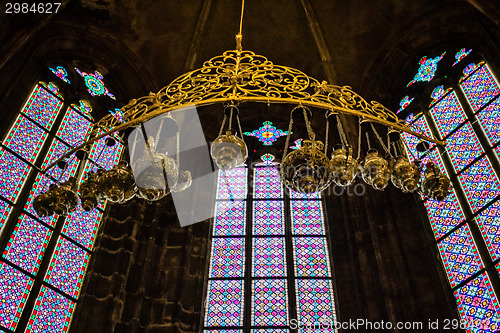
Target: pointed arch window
464,112
269,266
43,259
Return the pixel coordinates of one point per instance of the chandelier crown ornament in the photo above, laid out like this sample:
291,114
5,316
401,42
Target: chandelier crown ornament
435,184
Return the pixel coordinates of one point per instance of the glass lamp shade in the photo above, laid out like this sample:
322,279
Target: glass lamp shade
405,175
229,151
375,170
306,169
117,185
343,167
435,184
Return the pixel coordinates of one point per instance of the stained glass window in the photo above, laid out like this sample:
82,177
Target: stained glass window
52,312
95,84
44,259
278,260
427,69
467,220
14,288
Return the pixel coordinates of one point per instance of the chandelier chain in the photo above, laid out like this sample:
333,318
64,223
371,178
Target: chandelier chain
241,16
239,127
326,133
287,141
342,135
359,140
222,126
310,132
380,139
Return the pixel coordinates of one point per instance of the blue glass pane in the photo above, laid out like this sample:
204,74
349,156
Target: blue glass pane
13,174
460,255
268,257
444,215
267,183
269,303
480,87
232,184
42,107
478,305
307,217
268,218
489,224
230,218
448,114
25,138
227,257
315,303
224,303
480,183
489,118
311,257
74,128
82,226
463,147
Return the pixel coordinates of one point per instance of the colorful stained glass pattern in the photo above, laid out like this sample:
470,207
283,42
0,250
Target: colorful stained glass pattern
14,290
268,257
460,256
269,330
27,244
299,195
223,331
267,133
228,257
230,218
478,305
420,125
74,128
479,183
307,217
460,55
232,184
56,150
268,218
427,69
463,147
67,267
444,215
95,84
5,209
315,302
25,138
480,87
404,103
269,303
489,224
267,183
60,72
40,185
52,313
42,107
13,173
311,257
107,157
489,118
82,226
224,303
448,114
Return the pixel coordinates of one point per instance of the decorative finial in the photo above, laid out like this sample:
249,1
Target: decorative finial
239,37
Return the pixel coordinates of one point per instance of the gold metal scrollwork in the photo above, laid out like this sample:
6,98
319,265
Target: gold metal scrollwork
243,76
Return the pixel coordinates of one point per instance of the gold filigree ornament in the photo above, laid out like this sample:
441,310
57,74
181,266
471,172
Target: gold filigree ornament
239,76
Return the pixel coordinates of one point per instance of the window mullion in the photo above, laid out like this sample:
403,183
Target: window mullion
247,275
292,304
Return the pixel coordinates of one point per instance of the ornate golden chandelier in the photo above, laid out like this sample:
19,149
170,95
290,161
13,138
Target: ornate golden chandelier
233,78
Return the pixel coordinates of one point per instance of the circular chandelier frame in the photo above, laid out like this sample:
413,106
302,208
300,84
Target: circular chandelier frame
239,76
